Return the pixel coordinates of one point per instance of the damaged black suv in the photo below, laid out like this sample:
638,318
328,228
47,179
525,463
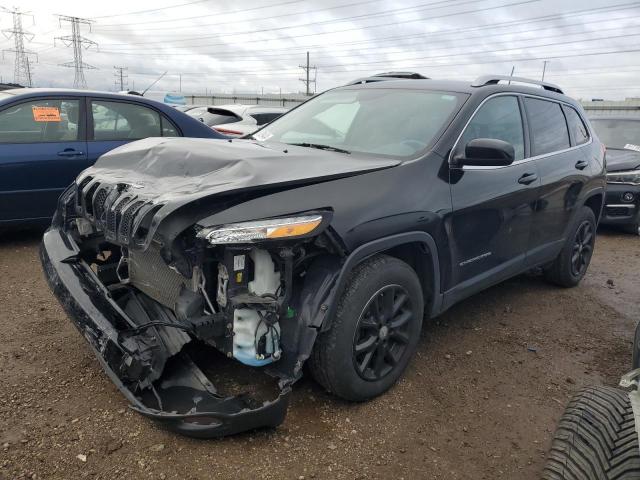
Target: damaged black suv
324,239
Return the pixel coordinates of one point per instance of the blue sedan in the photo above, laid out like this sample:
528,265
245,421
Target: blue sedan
48,136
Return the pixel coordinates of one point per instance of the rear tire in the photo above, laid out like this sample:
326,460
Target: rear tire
571,265
596,438
374,333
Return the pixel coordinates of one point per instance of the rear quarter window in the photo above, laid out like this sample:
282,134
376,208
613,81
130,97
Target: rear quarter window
576,126
549,132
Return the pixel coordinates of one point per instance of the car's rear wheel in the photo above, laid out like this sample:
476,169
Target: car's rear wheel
375,331
571,265
596,439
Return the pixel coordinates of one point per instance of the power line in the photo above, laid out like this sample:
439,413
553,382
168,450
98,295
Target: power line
153,10
437,4
258,56
510,60
78,42
280,72
448,55
22,65
121,78
217,15
341,20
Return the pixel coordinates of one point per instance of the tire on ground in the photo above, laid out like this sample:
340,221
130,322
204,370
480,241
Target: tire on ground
331,362
560,272
596,438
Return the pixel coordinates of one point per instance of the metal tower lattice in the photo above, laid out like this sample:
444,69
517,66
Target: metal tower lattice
79,43
22,69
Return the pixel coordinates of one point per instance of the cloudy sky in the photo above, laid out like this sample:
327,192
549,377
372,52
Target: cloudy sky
592,48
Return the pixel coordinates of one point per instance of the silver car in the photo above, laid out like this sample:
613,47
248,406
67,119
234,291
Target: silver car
236,120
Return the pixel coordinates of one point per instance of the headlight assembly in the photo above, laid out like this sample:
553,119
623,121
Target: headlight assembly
271,229
630,177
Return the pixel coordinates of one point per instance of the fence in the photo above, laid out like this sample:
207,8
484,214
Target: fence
289,100
625,108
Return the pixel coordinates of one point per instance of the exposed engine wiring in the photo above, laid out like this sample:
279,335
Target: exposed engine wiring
206,297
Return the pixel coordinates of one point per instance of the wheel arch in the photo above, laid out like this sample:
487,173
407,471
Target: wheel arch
417,249
595,201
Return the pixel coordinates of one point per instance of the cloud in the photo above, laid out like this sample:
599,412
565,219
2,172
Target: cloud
225,46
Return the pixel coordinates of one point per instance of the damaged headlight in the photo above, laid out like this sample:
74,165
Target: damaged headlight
271,229
631,177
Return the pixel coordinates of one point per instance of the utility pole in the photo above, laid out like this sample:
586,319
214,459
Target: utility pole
78,42
122,79
307,80
22,67
544,68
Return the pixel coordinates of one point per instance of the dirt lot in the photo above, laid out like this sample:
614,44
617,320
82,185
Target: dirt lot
480,400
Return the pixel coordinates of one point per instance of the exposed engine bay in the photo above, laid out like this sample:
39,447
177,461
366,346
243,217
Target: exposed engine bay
242,298
171,260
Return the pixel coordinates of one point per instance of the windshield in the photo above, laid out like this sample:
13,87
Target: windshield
618,133
392,122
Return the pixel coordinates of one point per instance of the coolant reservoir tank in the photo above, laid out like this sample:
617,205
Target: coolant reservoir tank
247,325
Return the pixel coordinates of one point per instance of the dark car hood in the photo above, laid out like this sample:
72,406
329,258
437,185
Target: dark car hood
175,172
619,160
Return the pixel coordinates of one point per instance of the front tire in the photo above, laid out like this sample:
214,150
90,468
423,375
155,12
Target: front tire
571,265
374,333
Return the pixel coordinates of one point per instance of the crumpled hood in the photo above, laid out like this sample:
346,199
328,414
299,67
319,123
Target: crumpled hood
620,160
175,172
171,168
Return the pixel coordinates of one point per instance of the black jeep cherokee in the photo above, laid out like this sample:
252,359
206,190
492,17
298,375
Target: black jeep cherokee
325,239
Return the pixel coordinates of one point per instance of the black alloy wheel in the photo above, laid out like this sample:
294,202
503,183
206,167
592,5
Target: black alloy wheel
382,332
582,248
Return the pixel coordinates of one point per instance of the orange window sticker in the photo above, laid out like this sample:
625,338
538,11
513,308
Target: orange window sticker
46,114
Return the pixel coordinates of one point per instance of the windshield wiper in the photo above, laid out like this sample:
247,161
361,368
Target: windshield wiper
321,147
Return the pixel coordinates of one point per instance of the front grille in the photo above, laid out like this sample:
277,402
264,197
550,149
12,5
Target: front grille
126,224
98,204
113,209
150,274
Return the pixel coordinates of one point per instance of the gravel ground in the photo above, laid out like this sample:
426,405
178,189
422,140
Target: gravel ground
480,400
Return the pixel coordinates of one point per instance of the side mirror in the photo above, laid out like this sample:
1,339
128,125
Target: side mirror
486,152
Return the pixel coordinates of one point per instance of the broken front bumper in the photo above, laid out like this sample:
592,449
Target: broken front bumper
182,397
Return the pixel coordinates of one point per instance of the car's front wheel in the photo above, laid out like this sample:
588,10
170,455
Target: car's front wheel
571,265
375,331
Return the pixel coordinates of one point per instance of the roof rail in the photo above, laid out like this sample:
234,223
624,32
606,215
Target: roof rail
379,77
495,79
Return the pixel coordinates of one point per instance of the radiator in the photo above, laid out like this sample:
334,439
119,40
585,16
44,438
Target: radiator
150,274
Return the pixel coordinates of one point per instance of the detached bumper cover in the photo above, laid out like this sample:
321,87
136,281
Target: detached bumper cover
181,397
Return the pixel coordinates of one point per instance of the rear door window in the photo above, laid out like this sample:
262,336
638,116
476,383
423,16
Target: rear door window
576,126
128,121
41,121
548,126
499,118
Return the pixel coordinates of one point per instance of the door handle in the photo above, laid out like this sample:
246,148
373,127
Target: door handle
528,178
582,164
69,152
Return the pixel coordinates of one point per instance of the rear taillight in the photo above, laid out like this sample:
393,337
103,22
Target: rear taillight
226,131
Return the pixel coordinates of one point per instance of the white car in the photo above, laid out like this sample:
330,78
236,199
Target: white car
236,120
